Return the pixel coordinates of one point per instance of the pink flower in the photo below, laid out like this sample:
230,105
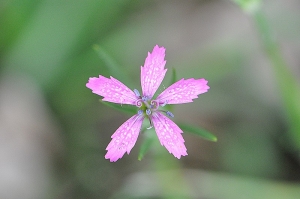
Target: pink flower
152,74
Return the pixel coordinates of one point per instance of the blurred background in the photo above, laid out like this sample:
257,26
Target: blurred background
54,131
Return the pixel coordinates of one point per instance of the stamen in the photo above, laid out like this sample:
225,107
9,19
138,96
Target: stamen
137,93
140,112
148,111
139,103
144,98
154,104
165,103
151,125
169,114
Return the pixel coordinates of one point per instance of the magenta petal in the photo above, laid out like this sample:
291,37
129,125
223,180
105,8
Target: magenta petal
153,71
183,91
112,90
124,138
169,135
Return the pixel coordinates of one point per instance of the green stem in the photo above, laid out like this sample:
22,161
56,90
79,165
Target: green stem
287,83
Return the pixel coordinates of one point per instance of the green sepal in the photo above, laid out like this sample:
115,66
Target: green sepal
198,131
124,107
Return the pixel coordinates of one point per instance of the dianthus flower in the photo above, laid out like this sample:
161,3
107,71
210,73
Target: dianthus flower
152,74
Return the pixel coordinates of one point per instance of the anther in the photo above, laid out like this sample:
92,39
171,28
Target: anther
140,112
165,103
137,93
148,111
144,98
169,114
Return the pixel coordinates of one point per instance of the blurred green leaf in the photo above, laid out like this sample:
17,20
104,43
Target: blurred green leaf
147,143
286,80
174,76
170,107
42,36
14,16
249,6
115,69
198,131
124,107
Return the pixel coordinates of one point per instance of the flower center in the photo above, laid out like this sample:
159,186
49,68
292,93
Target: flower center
147,106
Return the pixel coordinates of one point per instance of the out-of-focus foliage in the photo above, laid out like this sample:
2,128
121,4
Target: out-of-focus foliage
57,45
249,6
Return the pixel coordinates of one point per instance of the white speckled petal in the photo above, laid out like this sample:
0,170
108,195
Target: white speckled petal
169,134
124,138
153,71
112,90
183,91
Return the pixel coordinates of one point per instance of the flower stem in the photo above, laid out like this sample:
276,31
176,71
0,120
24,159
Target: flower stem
288,86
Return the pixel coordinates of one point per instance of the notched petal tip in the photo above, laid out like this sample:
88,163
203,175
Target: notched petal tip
111,89
153,71
114,154
183,91
202,85
93,83
158,50
169,135
124,138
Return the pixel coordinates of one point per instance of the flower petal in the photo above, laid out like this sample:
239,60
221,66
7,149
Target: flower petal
183,91
153,71
112,90
124,138
169,134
